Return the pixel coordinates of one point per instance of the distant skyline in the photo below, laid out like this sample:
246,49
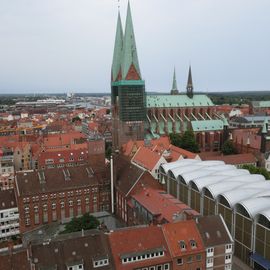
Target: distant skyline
67,45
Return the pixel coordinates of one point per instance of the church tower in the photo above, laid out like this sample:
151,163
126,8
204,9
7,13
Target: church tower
127,87
190,84
174,90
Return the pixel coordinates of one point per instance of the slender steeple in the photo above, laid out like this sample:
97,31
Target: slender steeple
189,84
118,49
130,63
174,90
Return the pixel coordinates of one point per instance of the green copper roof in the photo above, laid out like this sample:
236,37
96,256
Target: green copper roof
225,121
129,82
170,101
207,125
261,104
118,47
129,56
174,85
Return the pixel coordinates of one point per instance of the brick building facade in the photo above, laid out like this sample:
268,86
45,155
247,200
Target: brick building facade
57,195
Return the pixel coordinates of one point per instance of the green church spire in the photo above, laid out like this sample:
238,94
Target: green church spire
118,49
130,62
189,84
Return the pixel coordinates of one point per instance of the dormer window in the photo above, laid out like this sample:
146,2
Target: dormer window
193,244
182,245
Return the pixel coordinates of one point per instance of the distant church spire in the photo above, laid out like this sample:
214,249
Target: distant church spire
118,49
130,63
174,90
189,84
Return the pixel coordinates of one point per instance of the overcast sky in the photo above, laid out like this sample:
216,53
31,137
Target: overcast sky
64,45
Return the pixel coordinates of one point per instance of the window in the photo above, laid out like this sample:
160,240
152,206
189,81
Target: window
152,268
193,244
228,267
228,248
166,266
159,267
182,245
179,261
70,203
199,257
210,252
228,258
189,259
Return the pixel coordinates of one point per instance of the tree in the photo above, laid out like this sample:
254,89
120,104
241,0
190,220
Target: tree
76,118
257,170
186,141
85,222
228,148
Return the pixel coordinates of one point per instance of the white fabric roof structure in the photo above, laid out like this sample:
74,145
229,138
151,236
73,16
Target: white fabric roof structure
237,186
255,206
167,166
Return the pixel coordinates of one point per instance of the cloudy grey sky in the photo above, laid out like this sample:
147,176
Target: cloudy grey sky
64,45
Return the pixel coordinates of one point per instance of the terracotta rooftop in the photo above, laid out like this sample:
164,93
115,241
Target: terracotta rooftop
183,232
135,240
161,204
145,158
52,180
232,159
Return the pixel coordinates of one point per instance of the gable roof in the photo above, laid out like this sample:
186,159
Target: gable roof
136,240
145,158
185,231
213,230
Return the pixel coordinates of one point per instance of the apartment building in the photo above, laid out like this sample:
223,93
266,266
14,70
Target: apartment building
9,215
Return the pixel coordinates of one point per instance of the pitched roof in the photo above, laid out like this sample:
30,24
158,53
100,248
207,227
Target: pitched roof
7,199
161,204
207,125
52,180
232,159
126,174
118,47
146,158
213,230
175,101
135,240
185,231
129,57
72,249
14,260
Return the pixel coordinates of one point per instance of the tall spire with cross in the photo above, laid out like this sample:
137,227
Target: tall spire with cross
174,90
189,84
130,63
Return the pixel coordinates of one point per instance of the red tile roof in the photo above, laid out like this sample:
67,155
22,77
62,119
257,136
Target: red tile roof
137,239
161,204
182,231
145,158
234,159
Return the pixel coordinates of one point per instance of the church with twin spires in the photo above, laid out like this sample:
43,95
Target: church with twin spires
137,115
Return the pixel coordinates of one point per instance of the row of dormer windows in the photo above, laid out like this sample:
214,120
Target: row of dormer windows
143,257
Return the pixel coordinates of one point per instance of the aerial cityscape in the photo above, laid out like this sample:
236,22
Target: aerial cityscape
125,177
